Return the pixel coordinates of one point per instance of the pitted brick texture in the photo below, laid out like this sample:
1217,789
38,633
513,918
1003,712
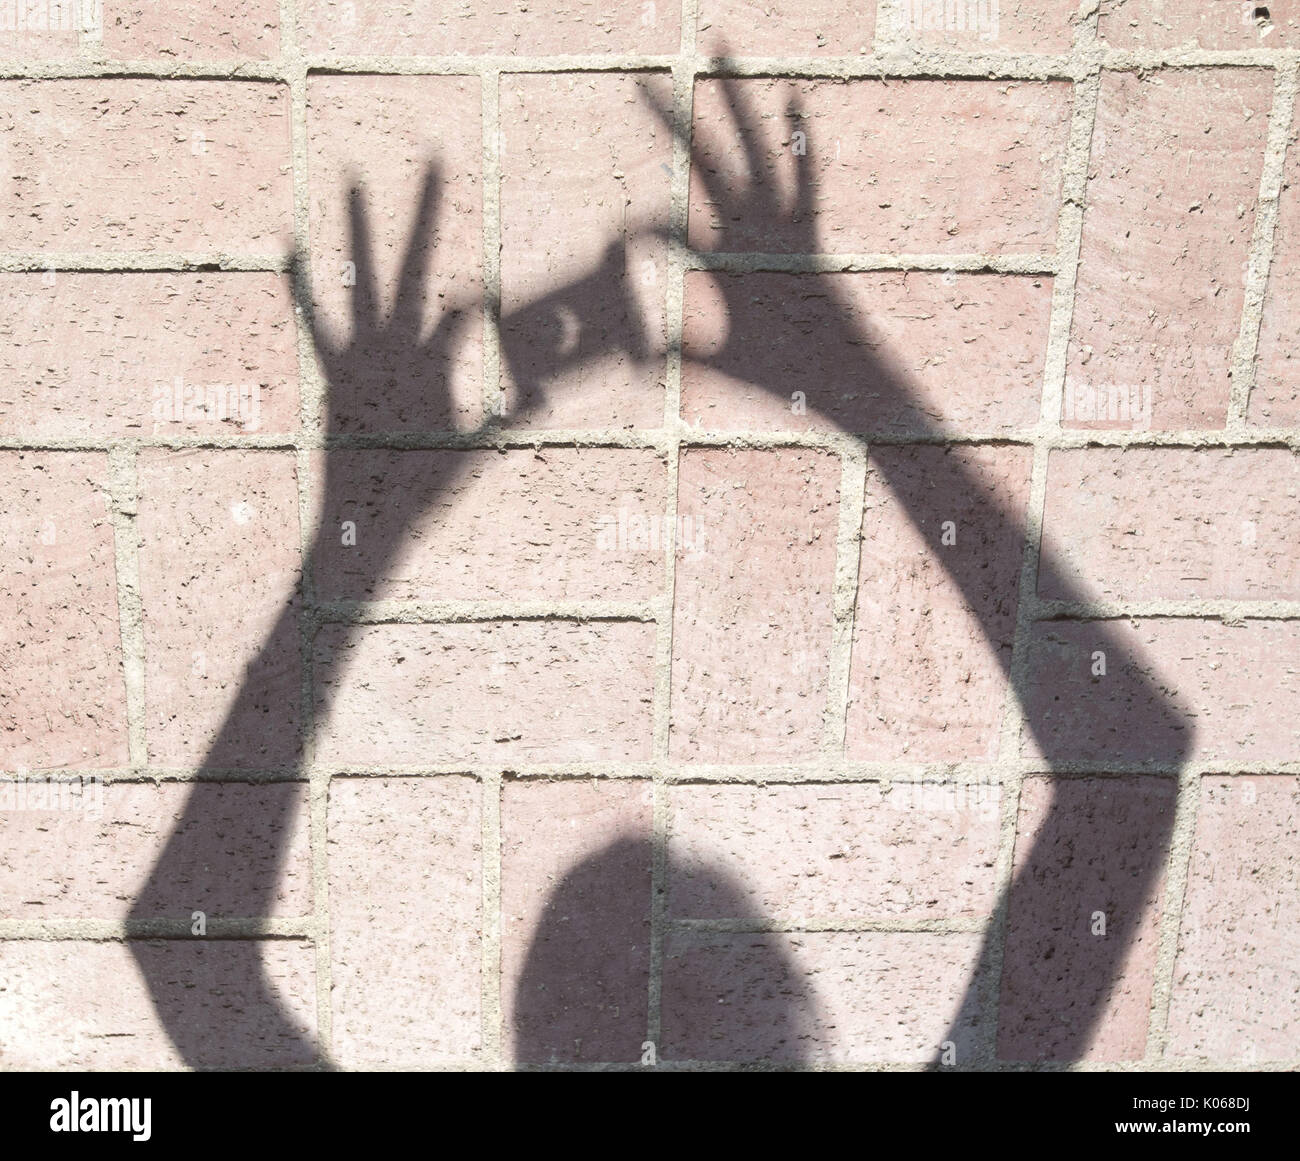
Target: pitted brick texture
406,897
993,192
64,696
851,852
843,628
542,691
1173,178
139,164
158,355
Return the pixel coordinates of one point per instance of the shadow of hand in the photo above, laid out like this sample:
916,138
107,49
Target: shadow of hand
389,373
752,196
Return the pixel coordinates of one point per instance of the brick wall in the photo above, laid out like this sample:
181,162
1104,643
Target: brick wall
825,594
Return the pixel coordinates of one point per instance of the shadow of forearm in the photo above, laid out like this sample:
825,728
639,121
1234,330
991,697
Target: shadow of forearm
212,993
1091,703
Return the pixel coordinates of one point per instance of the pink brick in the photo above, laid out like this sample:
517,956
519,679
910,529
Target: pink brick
427,28
378,136
982,174
193,30
219,556
85,1006
1158,24
818,997
575,919
1022,26
406,892
129,164
585,163
95,355
552,524
1076,986
1172,182
1275,398
752,606
1175,690
517,691
964,351
784,27
36,31
91,860
1236,995
1221,524
834,852
934,622
61,683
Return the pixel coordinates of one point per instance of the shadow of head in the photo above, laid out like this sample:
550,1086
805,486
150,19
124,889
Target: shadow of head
583,993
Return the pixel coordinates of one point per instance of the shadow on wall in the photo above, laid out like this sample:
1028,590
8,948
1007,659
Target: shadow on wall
1102,841
582,996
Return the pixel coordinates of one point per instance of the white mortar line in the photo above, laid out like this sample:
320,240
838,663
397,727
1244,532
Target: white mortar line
493,388
1074,172
492,1019
124,499
1177,864
820,771
1245,349
844,600
119,930
173,262
519,439
312,421
683,80
936,64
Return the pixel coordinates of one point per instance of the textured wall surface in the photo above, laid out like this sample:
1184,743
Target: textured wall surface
731,533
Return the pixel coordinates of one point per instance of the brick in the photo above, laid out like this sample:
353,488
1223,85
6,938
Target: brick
406,892
963,351
1071,988
31,32
379,136
754,581
219,558
68,1005
1160,24
92,860
555,524
61,681
833,852
983,26
1220,524
991,189
816,998
585,163
1170,210
193,30
940,697
1176,690
575,919
1275,396
100,355
427,28
784,27
1235,995
530,691
130,164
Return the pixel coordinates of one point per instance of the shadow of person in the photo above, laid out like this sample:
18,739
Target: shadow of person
1100,845
1091,700
731,991
388,381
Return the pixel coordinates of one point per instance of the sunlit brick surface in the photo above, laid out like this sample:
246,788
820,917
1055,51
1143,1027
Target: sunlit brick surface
650,535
